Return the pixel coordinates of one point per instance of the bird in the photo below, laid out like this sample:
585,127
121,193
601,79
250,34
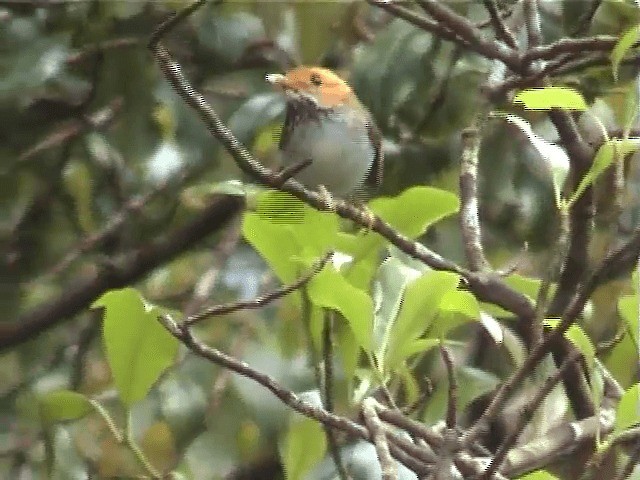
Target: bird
327,127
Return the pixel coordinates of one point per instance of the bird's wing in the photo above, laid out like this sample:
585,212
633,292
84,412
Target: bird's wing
374,177
287,128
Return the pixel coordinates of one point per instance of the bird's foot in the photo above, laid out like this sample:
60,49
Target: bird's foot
367,217
327,199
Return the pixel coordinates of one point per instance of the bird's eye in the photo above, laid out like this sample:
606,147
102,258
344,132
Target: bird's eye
316,80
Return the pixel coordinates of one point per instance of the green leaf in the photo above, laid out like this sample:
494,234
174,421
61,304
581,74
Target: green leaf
63,405
621,48
285,231
274,243
329,289
420,305
538,475
551,97
348,350
456,308
138,348
628,412
303,447
603,159
411,213
391,281
630,310
576,335
629,112
415,209
420,345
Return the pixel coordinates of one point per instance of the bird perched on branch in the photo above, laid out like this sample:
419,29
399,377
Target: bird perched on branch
327,125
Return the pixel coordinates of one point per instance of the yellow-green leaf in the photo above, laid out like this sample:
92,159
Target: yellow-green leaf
629,311
576,335
329,289
621,48
303,447
628,412
551,97
138,347
63,405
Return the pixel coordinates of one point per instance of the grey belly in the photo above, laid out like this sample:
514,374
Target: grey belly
339,166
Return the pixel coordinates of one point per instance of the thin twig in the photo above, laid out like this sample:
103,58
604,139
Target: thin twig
501,29
98,120
469,215
419,21
327,391
452,402
632,463
208,280
526,415
554,50
611,264
585,21
532,15
289,398
101,47
115,223
260,301
373,423
173,20
470,34
417,429
558,256
556,444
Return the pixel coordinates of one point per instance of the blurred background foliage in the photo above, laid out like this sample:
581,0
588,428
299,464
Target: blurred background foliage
87,123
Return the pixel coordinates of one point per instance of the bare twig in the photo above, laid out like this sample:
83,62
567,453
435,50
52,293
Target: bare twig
632,463
469,33
99,120
560,441
260,301
554,50
113,226
417,429
93,50
532,14
585,21
526,415
289,398
418,20
501,29
208,280
611,264
452,402
469,216
126,269
373,423
173,20
327,390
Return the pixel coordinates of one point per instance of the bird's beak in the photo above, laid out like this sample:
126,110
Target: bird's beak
276,79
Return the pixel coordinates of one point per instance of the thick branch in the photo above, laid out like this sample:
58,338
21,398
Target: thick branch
125,271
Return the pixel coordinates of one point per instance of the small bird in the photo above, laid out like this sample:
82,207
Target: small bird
326,124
